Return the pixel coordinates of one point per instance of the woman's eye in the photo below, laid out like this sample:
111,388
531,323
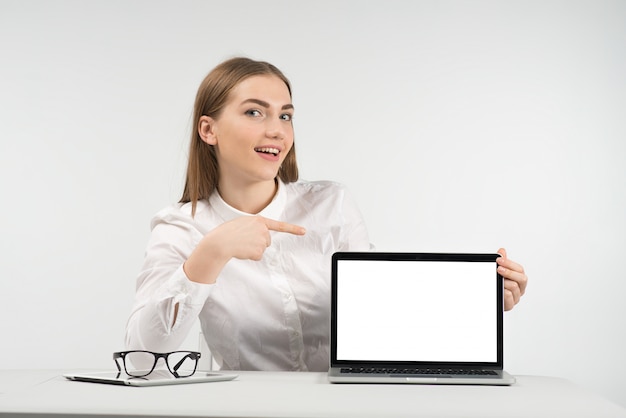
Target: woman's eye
253,112
286,117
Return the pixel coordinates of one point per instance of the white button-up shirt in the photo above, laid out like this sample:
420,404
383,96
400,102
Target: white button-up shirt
272,314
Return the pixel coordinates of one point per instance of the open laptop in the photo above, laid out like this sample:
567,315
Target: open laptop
417,318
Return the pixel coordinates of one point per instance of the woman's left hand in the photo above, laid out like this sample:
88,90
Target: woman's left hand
515,280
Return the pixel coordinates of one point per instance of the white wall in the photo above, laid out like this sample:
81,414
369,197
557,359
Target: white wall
458,126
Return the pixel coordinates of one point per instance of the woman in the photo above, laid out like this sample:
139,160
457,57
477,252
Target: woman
234,251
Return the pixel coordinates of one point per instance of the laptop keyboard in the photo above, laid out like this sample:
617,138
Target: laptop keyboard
386,370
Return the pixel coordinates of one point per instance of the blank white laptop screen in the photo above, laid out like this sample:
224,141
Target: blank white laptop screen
416,311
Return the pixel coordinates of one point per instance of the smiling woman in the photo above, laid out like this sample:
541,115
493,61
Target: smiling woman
248,248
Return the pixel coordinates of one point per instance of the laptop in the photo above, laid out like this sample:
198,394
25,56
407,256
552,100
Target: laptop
432,318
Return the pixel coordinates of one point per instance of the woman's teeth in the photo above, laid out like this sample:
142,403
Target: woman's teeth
273,151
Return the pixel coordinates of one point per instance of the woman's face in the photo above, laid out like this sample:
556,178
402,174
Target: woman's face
253,133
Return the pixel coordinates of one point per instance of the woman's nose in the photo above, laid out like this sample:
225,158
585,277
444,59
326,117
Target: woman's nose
275,130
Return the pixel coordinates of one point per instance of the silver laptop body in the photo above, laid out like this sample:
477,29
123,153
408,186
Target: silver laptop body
434,318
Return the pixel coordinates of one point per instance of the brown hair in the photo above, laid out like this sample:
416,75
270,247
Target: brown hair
213,93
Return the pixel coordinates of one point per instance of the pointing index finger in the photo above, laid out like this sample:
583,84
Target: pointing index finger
284,227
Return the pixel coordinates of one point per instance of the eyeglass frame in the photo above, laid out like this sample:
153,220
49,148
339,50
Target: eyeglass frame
193,355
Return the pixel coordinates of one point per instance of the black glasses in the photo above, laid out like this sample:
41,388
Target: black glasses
140,363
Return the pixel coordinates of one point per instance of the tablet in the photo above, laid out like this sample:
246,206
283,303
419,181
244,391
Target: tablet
156,378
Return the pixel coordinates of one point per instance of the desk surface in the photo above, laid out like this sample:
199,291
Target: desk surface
285,394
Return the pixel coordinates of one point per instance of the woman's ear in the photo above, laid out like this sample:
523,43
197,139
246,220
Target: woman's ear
206,130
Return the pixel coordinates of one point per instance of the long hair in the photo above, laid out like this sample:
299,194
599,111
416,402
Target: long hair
203,169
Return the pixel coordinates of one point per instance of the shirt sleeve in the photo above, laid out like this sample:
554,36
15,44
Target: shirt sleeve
354,235
162,284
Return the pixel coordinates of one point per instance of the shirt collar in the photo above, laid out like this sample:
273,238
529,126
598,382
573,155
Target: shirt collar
272,211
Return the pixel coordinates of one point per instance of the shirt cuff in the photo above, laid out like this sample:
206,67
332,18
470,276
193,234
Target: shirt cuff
186,291
190,297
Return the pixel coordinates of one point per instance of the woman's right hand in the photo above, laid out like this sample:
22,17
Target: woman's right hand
244,238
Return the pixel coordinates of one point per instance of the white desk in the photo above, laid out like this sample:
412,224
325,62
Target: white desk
266,394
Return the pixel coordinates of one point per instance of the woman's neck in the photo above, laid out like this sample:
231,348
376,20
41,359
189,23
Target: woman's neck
248,198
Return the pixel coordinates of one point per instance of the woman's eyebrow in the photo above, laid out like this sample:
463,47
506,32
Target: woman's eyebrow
266,104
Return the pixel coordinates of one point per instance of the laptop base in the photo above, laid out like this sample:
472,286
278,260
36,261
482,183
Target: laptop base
501,379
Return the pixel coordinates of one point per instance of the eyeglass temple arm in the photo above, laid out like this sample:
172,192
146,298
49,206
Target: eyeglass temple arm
180,363
115,357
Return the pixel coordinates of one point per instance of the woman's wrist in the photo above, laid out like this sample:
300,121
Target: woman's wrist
205,263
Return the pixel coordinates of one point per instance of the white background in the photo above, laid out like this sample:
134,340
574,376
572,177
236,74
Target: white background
457,125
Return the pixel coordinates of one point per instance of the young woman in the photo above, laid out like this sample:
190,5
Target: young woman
248,247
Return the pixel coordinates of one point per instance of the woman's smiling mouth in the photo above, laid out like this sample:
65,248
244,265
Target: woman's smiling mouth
268,150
